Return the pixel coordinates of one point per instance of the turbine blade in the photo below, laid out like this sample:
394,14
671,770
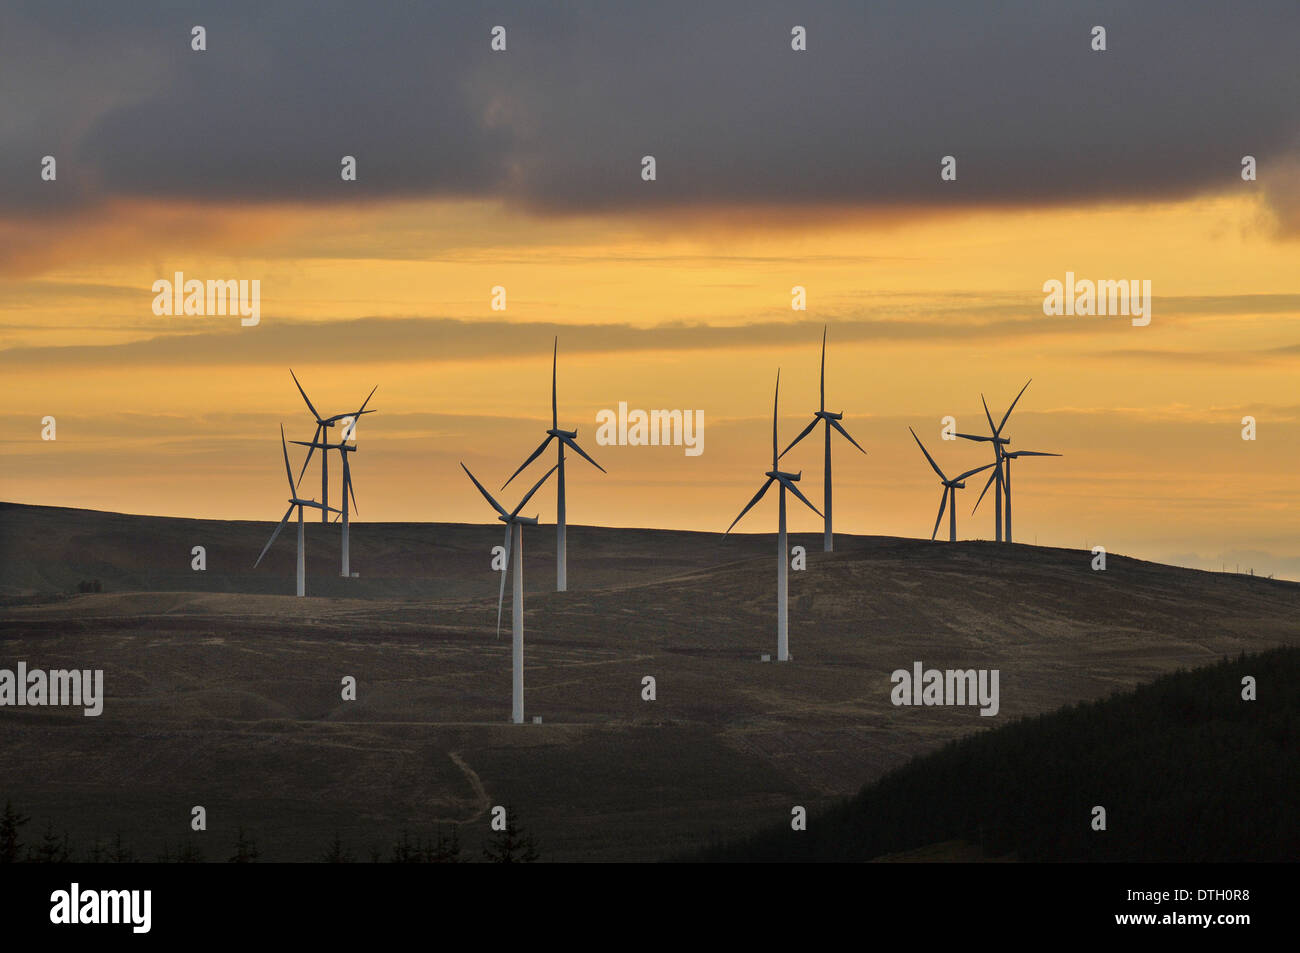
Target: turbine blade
353,413
933,465
776,397
501,597
823,367
1013,405
555,414
367,400
971,436
288,471
304,395
992,477
1031,453
315,439
569,442
805,432
750,505
536,487
536,453
283,520
347,480
939,519
836,425
795,490
992,429
486,495
971,472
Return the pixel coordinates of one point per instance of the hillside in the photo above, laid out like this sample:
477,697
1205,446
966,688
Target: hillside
221,691
1185,768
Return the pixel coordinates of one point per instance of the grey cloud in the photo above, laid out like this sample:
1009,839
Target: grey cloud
560,121
218,341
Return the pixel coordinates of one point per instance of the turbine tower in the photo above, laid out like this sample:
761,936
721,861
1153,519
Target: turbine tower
562,439
1008,456
294,501
514,542
999,443
832,421
323,423
787,481
950,488
344,449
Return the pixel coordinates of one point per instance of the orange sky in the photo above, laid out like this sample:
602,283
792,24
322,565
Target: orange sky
180,415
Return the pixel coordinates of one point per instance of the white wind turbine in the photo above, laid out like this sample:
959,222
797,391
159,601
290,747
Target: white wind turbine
323,424
832,421
1008,456
562,439
344,449
999,454
294,501
514,543
950,488
787,481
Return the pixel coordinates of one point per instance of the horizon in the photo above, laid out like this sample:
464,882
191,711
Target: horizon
676,292
814,533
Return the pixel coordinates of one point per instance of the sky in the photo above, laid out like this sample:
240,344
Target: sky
774,168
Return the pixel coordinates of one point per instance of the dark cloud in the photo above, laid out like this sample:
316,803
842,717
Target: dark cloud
734,117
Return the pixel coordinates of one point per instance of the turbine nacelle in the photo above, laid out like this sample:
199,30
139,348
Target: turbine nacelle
556,432
525,520
829,415
783,476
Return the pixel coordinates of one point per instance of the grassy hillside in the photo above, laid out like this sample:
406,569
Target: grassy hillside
1186,770
223,689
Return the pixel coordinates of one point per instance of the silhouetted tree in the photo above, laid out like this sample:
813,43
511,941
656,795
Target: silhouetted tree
245,850
52,849
444,850
10,823
337,853
120,852
406,852
512,845
186,853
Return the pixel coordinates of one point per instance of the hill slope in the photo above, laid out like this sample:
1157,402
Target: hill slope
1185,768
218,689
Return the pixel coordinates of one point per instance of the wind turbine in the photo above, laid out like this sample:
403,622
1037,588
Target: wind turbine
999,442
514,541
322,423
294,501
343,449
1008,456
832,420
787,481
950,488
562,439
